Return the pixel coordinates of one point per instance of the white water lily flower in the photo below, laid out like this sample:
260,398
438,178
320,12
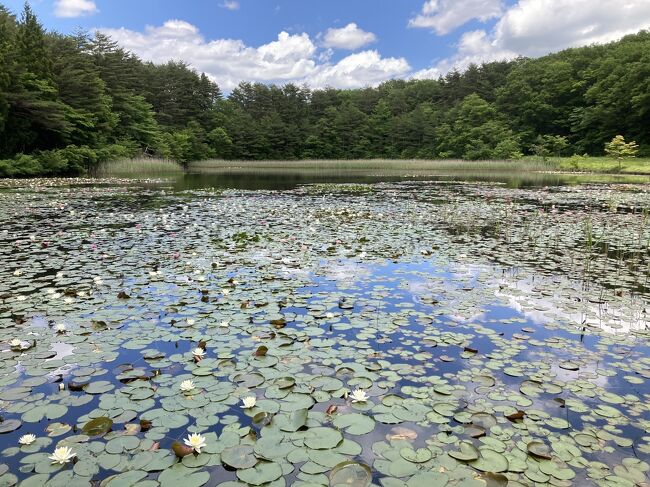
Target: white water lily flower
225,292
224,324
27,439
187,385
195,441
359,396
60,328
62,455
198,352
15,343
249,402
18,272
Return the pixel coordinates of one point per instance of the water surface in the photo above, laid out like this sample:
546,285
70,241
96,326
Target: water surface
498,329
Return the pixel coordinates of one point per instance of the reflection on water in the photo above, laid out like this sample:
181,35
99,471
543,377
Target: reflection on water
278,179
462,338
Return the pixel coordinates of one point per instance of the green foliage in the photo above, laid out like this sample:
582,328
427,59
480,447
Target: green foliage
71,102
70,161
577,160
620,149
220,142
20,166
547,145
475,131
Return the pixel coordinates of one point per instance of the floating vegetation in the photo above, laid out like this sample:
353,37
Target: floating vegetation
410,334
338,188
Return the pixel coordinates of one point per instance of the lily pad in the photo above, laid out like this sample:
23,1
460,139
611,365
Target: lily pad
241,456
98,426
262,473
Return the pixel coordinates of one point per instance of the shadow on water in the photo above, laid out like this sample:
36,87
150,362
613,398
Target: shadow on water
287,179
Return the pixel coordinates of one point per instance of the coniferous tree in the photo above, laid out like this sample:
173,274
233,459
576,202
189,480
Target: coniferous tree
68,102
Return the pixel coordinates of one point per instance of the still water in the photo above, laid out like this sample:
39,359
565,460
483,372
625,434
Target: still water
461,330
283,179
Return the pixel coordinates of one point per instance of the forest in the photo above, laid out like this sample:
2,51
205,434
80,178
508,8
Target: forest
70,102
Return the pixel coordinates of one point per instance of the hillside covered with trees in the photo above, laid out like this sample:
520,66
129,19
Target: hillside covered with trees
68,102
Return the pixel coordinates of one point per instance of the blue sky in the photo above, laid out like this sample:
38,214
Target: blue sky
343,43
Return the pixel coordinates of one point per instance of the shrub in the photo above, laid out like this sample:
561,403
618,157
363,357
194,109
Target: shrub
620,149
20,166
53,162
79,159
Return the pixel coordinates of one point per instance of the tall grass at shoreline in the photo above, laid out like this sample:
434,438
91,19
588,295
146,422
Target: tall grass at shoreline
138,167
148,167
405,165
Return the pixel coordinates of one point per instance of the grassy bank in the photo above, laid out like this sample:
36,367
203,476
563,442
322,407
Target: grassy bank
603,165
138,168
146,167
405,165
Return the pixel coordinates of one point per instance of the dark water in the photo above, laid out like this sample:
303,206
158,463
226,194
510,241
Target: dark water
274,179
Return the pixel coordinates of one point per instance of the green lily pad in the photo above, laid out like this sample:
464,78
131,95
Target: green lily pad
181,475
539,449
421,455
99,387
322,438
355,423
490,461
428,479
466,452
9,425
262,473
241,456
98,426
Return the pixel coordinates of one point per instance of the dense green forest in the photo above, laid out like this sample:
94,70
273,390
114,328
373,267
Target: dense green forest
68,102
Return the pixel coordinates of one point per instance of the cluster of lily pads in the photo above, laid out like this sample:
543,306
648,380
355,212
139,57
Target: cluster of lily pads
398,335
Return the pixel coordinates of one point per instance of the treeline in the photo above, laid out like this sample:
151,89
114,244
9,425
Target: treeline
68,102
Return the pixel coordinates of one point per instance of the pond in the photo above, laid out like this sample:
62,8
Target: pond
278,178
356,330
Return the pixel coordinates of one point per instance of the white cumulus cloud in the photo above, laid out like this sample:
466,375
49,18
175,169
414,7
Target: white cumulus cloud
537,27
349,37
474,47
290,58
360,69
74,8
443,16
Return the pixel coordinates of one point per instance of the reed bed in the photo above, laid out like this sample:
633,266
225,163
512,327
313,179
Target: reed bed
138,167
386,164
